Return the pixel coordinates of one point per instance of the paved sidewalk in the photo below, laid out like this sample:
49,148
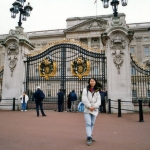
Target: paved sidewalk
66,131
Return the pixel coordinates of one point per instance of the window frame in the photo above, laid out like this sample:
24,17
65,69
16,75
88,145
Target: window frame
145,50
132,53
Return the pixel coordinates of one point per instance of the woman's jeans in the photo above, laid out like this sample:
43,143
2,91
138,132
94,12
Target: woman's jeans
89,121
23,106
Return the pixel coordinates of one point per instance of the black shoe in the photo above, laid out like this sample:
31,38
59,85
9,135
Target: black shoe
37,115
89,141
44,115
92,140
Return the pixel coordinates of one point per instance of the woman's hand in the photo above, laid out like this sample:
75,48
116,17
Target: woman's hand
91,108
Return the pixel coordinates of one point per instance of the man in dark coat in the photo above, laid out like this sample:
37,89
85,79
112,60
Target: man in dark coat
69,103
73,98
38,101
60,100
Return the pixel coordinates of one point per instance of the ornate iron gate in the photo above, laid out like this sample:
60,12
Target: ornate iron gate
140,80
63,65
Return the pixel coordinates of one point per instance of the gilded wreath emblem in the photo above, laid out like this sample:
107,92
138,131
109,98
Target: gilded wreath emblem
47,68
80,67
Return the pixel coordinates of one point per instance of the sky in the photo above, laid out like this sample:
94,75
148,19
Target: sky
52,14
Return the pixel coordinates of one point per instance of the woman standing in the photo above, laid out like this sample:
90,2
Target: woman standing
24,98
91,100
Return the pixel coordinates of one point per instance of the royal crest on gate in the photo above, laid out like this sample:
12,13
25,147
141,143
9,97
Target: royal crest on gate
80,67
47,68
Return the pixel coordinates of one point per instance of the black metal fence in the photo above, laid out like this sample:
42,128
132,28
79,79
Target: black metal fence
63,55
140,81
119,108
9,102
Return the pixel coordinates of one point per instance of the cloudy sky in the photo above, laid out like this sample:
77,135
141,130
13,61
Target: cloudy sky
52,14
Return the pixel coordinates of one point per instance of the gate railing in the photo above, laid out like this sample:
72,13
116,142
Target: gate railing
140,80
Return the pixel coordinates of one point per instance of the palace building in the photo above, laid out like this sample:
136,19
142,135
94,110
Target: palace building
104,47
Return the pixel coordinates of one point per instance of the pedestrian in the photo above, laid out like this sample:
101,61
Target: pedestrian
38,97
60,100
24,99
103,104
73,98
91,100
69,103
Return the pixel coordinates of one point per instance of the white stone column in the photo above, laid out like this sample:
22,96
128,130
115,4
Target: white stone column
101,44
16,44
89,42
118,71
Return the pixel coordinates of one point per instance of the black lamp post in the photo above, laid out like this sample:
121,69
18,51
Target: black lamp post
24,12
149,31
114,5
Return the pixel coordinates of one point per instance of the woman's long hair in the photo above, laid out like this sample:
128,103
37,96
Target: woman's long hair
96,87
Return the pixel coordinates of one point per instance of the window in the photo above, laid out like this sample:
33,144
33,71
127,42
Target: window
36,72
134,93
146,38
50,56
133,71
48,92
95,40
132,50
95,70
146,51
148,93
84,41
68,69
58,69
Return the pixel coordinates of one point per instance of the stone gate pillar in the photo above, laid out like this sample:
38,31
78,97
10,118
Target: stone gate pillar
116,41
17,46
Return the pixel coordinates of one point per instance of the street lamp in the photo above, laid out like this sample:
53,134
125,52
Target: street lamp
149,28
24,12
114,5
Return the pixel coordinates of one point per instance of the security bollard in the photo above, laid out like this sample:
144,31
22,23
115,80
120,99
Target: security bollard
140,112
119,107
109,106
13,104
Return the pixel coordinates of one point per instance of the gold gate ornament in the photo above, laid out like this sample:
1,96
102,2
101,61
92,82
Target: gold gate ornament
47,68
80,67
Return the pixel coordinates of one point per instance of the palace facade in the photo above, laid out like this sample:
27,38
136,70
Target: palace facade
96,33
